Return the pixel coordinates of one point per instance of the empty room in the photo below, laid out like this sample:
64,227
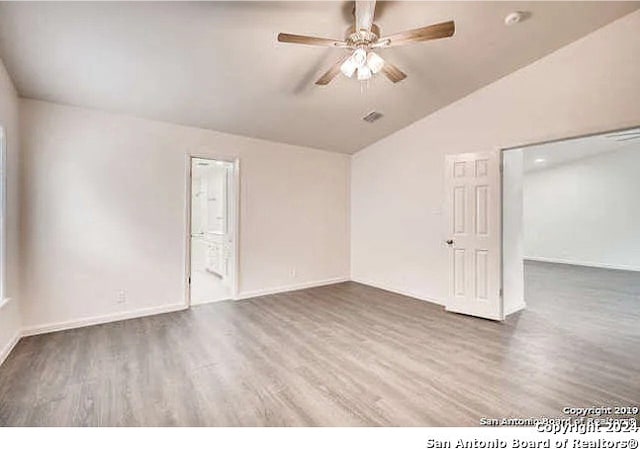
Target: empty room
320,214
570,240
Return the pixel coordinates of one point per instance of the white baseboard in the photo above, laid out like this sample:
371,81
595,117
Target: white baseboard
91,321
209,301
583,264
399,291
290,288
517,307
83,322
4,352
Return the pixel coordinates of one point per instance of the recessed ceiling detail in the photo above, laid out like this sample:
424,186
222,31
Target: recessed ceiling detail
218,65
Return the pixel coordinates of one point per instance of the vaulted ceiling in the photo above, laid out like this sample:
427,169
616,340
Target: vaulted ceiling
218,65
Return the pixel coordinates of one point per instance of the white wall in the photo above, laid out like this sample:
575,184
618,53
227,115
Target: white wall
9,310
512,231
397,188
585,212
104,210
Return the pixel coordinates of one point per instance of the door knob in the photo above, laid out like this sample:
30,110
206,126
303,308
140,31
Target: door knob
449,242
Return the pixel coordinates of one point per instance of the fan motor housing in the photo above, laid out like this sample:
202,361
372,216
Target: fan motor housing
362,38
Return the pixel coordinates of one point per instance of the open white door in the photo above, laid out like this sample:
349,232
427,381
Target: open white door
473,234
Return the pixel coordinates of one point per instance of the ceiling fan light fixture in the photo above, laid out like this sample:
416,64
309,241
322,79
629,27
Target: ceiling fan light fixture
364,73
374,62
363,36
360,57
348,67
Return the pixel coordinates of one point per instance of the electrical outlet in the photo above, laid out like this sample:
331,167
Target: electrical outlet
121,297
292,272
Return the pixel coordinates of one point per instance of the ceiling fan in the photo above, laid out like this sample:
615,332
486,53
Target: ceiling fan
362,39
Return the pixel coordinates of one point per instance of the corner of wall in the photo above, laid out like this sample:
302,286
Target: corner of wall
10,313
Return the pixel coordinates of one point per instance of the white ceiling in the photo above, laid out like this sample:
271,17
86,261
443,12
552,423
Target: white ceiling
547,155
218,65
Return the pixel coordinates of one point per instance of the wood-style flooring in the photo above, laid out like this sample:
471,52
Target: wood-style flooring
341,355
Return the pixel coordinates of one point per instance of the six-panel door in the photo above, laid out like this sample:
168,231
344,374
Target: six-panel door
473,234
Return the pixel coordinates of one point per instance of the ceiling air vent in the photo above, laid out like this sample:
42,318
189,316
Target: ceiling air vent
372,116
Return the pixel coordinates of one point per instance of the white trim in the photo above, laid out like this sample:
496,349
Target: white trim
187,233
4,353
290,288
3,211
400,292
84,322
209,301
520,305
583,264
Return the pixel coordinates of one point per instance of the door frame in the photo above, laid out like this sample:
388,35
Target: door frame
524,148
235,226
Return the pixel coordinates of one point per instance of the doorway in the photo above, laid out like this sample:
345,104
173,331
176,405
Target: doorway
213,220
556,215
571,246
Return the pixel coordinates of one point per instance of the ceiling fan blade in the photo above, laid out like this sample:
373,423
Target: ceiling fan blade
309,40
393,73
437,31
364,14
330,74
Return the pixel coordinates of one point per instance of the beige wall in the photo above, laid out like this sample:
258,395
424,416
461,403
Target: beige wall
9,311
586,211
104,210
397,192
